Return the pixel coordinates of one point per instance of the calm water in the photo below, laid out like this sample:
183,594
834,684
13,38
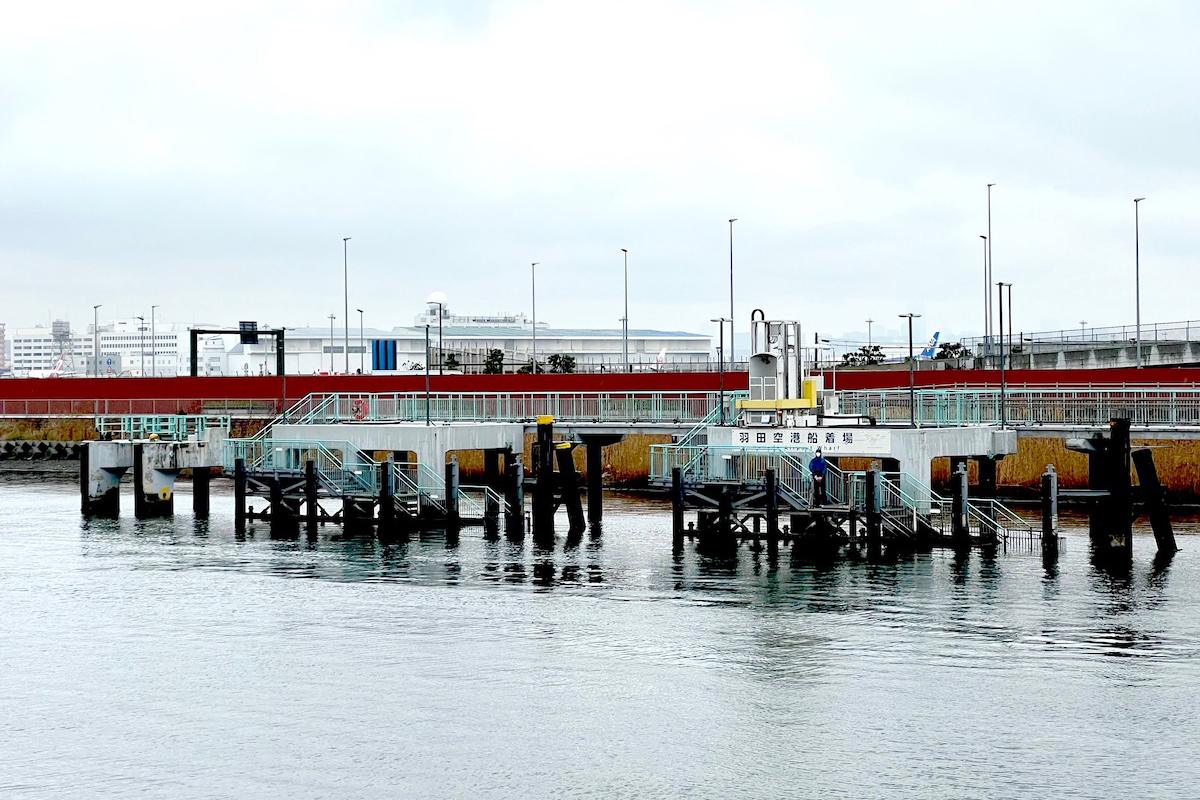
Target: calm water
168,658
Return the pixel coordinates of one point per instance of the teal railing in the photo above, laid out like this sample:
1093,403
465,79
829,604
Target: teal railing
1026,407
174,427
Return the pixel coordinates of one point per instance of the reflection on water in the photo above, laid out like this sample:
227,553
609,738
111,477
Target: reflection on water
605,665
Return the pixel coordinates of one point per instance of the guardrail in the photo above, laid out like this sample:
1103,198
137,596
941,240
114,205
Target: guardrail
1027,407
257,408
626,407
169,426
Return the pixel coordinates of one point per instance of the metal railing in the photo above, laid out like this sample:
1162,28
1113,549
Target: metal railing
255,408
1185,331
177,427
1027,407
628,407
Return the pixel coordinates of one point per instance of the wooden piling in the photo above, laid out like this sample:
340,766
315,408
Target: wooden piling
239,495
1154,501
201,480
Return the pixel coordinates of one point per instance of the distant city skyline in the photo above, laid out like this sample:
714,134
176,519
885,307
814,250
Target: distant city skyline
210,160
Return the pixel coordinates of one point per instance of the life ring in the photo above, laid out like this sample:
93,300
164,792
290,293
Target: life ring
359,408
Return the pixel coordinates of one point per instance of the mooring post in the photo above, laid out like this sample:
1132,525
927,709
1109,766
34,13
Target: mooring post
85,478
451,487
139,494
568,481
312,509
543,493
987,485
514,495
770,483
201,480
1154,499
1049,508
387,504
677,506
239,495
491,501
1098,481
725,512
960,529
595,482
1120,489
874,508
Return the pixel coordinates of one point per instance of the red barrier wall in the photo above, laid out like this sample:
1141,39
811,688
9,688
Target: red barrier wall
271,388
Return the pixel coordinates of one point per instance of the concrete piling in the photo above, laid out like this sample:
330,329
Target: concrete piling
1049,509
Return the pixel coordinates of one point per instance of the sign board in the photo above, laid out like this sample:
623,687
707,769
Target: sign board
862,441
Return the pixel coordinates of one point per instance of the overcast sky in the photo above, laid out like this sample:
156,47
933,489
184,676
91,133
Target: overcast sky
209,158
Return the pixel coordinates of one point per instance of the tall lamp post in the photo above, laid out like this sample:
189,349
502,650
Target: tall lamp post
533,287
721,358
142,345
1003,386
439,299
912,381
1137,276
732,348
153,346
427,374
625,319
332,317
1082,329
96,339
869,342
362,344
988,244
987,298
345,298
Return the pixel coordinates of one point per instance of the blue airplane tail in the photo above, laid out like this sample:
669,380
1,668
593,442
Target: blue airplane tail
931,347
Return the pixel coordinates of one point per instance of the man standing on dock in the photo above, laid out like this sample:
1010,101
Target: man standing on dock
818,467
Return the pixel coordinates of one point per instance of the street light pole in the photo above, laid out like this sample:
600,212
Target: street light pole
625,322
427,373
345,301
332,317
533,285
1010,322
1082,329
732,347
721,359
989,259
912,383
153,347
362,344
987,298
870,343
1003,386
142,345
1137,276
96,340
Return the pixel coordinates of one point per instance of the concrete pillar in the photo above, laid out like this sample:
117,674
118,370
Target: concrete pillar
154,479
101,465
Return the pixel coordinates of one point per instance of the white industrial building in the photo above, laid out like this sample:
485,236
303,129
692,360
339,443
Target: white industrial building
138,347
469,340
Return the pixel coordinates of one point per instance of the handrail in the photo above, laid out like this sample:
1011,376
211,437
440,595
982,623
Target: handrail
488,493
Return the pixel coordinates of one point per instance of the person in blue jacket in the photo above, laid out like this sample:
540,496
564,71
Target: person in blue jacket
818,467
